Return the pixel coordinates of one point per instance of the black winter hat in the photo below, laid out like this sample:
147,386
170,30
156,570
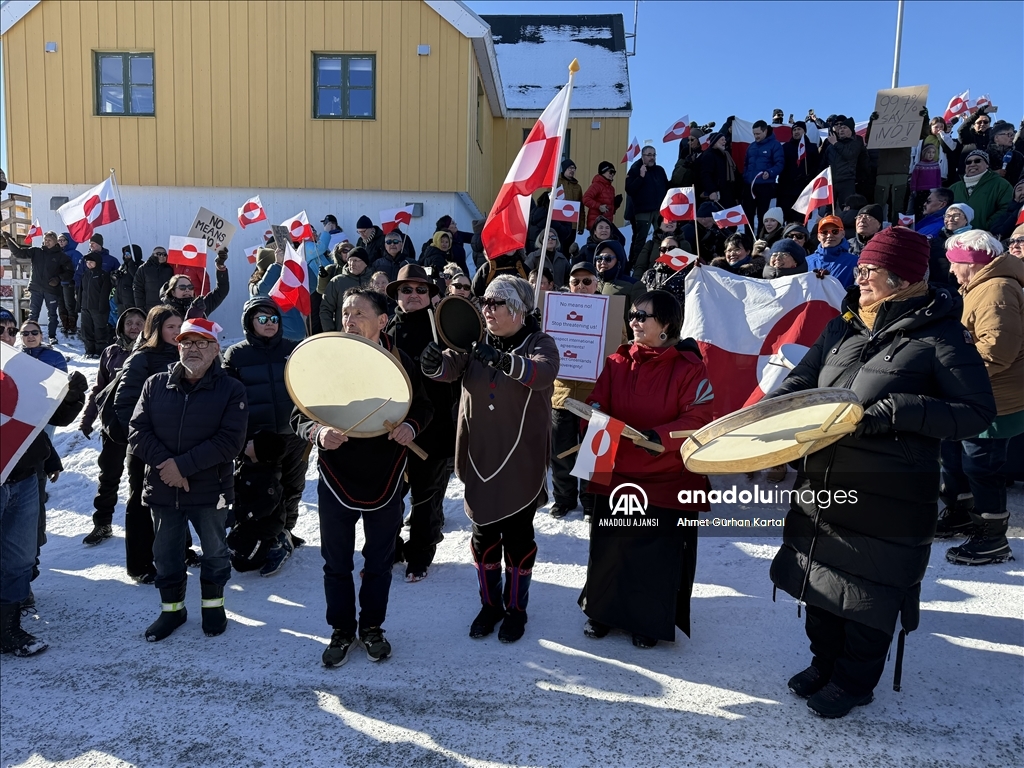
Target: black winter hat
97,238
360,253
364,222
999,127
874,211
567,164
605,166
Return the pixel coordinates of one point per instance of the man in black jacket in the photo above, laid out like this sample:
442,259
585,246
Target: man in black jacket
801,165
362,478
188,427
646,185
150,278
94,305
50,266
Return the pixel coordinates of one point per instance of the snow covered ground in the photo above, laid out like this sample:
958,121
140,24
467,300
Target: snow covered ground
258,696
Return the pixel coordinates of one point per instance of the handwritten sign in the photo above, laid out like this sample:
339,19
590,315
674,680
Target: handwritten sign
216,230
899,117
586,327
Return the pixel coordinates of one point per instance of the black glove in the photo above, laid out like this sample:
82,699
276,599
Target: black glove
77,382
197,308
874,116
877,419
618,200
222,256
431,359
486,354
322,272
652,437
86,429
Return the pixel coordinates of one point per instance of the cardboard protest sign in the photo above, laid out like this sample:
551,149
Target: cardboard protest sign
586,327
899,117
216,230
282,237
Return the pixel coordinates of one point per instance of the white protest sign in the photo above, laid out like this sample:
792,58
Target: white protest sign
899,117
583,326
216,230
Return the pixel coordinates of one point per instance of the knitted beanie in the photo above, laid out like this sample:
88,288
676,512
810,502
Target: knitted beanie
364,222
900,251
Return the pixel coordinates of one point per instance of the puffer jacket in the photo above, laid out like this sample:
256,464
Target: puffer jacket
990,197
330,307
112,359
202,428
50,267
763,156
864,558
994,316
259,364
149,281
600,192
95,288
140,365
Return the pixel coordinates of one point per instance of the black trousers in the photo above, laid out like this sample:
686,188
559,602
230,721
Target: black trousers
850,653
111,464
93,330
565,433
293,476
138,523
514,534
428,481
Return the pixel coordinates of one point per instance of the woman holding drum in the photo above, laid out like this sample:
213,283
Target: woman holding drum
502,446
899,345
639,579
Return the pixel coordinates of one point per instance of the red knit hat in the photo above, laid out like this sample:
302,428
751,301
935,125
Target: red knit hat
898,250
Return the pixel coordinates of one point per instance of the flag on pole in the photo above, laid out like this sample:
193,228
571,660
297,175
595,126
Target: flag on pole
958,105
743,325
905,220
298,226
187,251
801,150
251,211
534,168
730,217
33,232
680,204
291,291
393,217
30,392
981,101
89,210
680,129
677,259
632,151
816,194
565,210
596,458
741,136
705,141
250,253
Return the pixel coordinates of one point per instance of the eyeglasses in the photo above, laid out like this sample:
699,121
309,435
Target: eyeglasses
639,315
954,213
197,343
982,122
667,248
865,216
26,334
865,272
264,319
1015,241
408,290
10,331
827,232
460,286
392,242
604,257
975,161
492,303
587,281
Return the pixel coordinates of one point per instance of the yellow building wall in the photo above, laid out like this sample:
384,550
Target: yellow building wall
233,95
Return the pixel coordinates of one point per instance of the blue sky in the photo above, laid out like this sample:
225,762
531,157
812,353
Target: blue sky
714,59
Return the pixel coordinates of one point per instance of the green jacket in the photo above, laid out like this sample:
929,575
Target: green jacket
991,196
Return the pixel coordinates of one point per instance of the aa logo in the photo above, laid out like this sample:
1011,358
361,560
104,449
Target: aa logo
628,499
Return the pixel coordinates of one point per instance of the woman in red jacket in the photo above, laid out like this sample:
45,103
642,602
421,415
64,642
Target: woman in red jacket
599,198
642,564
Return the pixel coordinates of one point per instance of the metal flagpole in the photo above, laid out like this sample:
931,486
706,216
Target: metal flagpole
574,67
121,210
899,42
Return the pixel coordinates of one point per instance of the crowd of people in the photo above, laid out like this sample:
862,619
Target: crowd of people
931,338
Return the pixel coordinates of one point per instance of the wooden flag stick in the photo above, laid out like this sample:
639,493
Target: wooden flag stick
411,446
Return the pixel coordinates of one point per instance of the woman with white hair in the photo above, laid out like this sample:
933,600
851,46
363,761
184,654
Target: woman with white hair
502,446
973,483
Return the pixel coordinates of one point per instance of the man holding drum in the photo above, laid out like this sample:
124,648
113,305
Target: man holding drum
362,478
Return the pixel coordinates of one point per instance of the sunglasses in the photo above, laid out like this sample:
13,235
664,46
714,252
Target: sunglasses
408,290
159,253
11,331
492,303
197,343
667,248
264,319
828,232
975,161
587,281
460,286
982,122
604,258
798,236
611,171
31,333
184,287
639,315
392,242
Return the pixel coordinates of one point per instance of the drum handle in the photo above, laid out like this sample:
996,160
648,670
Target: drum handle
433,324
411,446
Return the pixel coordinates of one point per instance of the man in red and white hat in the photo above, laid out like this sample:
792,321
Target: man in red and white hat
188,427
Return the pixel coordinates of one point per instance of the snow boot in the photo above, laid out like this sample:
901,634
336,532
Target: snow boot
215,620
488,573
28,605
276,555
956,519
100,533
833,702
807,683
516,597
987,545
14,639
172,613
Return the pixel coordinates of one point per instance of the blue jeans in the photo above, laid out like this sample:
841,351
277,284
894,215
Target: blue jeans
35,306
171,535
19,516
975,466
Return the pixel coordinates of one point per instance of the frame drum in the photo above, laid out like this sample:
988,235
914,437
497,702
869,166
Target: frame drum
459,323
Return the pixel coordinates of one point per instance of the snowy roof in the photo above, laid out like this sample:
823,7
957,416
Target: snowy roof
534,53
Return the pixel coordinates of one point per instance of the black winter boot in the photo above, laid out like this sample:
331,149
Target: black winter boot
14,639
215,620
955,519
987,545
172,613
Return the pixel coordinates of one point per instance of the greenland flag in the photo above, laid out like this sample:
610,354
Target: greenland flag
298,226
741,137
90,210
391,218
680,129
565,210
33,232
816,194
958,105
250,253
905,220
536,166
596,458
291,290
30,392
187,251
680,204
677,259
632,151
705,141
251,212
750,331
730,217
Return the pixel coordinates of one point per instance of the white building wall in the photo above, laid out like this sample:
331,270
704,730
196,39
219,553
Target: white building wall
153,214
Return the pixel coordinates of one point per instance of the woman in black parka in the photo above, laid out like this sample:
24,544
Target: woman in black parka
857,564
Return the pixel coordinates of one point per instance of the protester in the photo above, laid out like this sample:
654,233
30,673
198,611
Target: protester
150,278
974,130
180,292
1015,245
600,199
355,274
122,280
935,205
602,229
640,581
438,254
764,164
1003,158
787,257
802,164
94,305
112,453
1003,224
293,322
51,267
868,224
738,258
846,154
833,253
553,258
988,194
718,179
379,282
507,264
927,173
188,427
571,190
956,220
32,344
973,483
615,280
390,255
892,169
705,234
799,233
646,185
652,248
371,237
69,321
459,285
662,276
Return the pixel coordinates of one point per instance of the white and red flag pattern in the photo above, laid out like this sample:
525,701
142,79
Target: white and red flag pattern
730,217
632,151
680,129
535,167
905,220
596,459
741,137
801,150
393,217
565,210
741,325
89,210
30,392
298,226
291,291
252,210
680,204
250,253
187,251
958,106
816,194
981,101
705,141
677,259
33,232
